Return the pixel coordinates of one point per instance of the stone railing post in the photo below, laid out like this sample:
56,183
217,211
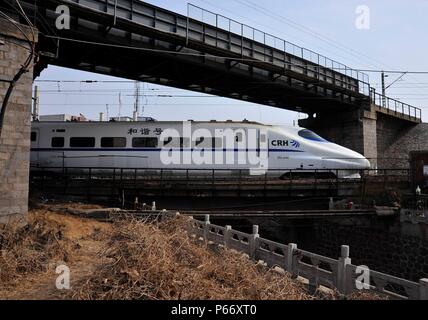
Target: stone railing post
253,241
227,236
290,257
206,226
423,289
153,206
342,281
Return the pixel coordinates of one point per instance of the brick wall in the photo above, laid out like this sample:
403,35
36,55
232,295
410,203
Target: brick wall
382,248
15,138
415,138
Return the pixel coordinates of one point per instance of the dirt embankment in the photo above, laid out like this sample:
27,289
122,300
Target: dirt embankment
128,260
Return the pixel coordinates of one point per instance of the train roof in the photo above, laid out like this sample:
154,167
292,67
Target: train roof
146,122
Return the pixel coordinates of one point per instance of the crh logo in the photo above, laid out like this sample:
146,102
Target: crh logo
295,144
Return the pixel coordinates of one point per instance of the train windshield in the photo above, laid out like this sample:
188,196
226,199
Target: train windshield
308,134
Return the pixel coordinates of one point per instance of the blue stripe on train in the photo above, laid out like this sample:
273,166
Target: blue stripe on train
154,149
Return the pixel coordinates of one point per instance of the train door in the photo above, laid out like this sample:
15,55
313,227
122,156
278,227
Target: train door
262,150
240,147
34,144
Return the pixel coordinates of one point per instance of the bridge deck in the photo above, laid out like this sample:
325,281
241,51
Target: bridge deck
133,39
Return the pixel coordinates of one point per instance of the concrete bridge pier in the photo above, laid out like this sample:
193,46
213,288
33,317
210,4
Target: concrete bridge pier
15,129
355,130
383,136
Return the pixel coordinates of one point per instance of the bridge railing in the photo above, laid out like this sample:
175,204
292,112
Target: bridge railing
337,274
246,32
395,107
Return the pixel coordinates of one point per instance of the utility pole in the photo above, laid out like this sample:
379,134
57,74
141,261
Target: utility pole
120,105
137,99
36,105
384,87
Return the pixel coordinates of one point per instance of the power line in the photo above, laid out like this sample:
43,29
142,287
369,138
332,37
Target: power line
309,31
305,29
269,27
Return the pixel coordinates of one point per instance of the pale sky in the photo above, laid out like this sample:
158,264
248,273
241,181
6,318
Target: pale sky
396,40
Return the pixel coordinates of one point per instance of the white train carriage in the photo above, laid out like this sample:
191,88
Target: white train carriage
189,145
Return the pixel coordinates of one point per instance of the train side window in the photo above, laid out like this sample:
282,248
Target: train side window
113,142
217,143
199,141
33,136
184,142
263,138
238,137
57,142
82,142
167,141
144,142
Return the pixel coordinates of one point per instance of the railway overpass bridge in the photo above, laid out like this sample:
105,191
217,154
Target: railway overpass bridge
201,51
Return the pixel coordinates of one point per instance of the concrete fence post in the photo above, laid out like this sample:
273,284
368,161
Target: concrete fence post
290,257
342,279
253,241
423,289
227,235
206,226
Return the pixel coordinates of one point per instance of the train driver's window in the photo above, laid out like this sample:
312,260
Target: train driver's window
145,142
118,142
82,142
57,142
33,136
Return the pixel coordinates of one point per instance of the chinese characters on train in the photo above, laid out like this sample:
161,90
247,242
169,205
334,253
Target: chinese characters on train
144,131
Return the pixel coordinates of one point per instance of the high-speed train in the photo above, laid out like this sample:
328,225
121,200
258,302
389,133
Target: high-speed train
188,145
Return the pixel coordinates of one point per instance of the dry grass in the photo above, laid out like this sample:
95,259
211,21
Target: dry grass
30,249
159,261
132,259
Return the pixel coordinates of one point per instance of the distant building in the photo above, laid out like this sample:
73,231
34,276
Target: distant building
121,119
63,117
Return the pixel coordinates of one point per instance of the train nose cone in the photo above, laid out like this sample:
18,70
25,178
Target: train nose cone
366,163
361,163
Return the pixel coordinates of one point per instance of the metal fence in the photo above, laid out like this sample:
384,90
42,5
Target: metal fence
395,107
320,64
213,182
245,33
337,274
